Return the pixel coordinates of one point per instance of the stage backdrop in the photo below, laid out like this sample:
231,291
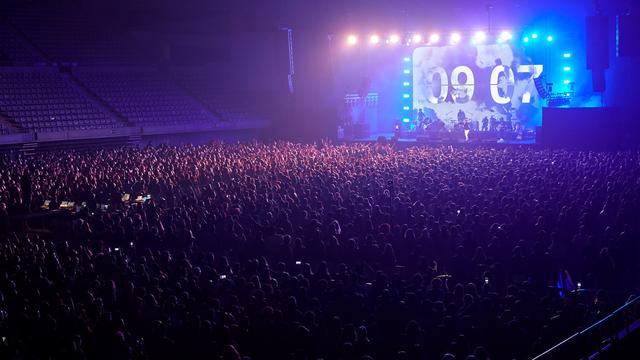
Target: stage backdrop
482,80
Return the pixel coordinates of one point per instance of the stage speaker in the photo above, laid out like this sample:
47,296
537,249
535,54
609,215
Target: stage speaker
281,59
598,82
597,42
628,28
542,91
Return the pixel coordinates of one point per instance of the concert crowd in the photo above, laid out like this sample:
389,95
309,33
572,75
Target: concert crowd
294,251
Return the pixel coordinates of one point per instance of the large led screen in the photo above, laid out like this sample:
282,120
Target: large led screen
481,80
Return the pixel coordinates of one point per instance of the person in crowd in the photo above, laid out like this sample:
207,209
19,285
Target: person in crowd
294,251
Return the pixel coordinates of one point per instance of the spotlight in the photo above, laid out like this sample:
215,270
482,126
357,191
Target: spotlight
406,96
374,39
406,83
549,38
526,39
406,120
455,38
406,71
352,40
434,38
567,68
405,108
416,38
407,59
567,82
479,37
394,39
534,36
505,36
566,55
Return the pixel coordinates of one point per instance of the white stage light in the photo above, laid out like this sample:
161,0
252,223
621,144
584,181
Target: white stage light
374,39
434,38
505,36
479,37
394,38
455,38
416,38
352,40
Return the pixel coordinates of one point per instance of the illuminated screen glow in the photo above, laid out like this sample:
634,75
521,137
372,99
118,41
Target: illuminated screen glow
481,80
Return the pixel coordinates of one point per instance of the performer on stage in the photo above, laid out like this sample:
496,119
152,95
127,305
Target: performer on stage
466,130
421,116
493,123
396,129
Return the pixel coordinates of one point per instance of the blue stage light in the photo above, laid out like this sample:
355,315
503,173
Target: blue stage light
407,71
406,120
534,36
407,59
406,83
567,82
549,38
406,96
406,108
526,39
567,68
566,55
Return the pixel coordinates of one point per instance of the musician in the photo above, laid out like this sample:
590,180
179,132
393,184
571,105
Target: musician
421,116
425,124
493,123
467,128
396,129
509,124
485,124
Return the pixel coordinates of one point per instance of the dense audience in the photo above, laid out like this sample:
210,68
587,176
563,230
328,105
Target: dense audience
289,251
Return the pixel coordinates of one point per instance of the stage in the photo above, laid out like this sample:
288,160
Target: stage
425,139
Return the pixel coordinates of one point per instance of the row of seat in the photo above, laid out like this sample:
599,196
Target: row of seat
78,39
5,129
216,96
14,48
39,99
25,104
144,97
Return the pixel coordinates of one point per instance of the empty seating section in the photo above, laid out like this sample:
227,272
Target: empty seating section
13,50
39,99
229,105
144,96
78,39
5,129
111,80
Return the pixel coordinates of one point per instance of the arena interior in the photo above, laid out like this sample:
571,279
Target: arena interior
319,180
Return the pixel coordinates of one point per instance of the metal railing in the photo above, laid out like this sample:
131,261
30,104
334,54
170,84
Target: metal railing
598,337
